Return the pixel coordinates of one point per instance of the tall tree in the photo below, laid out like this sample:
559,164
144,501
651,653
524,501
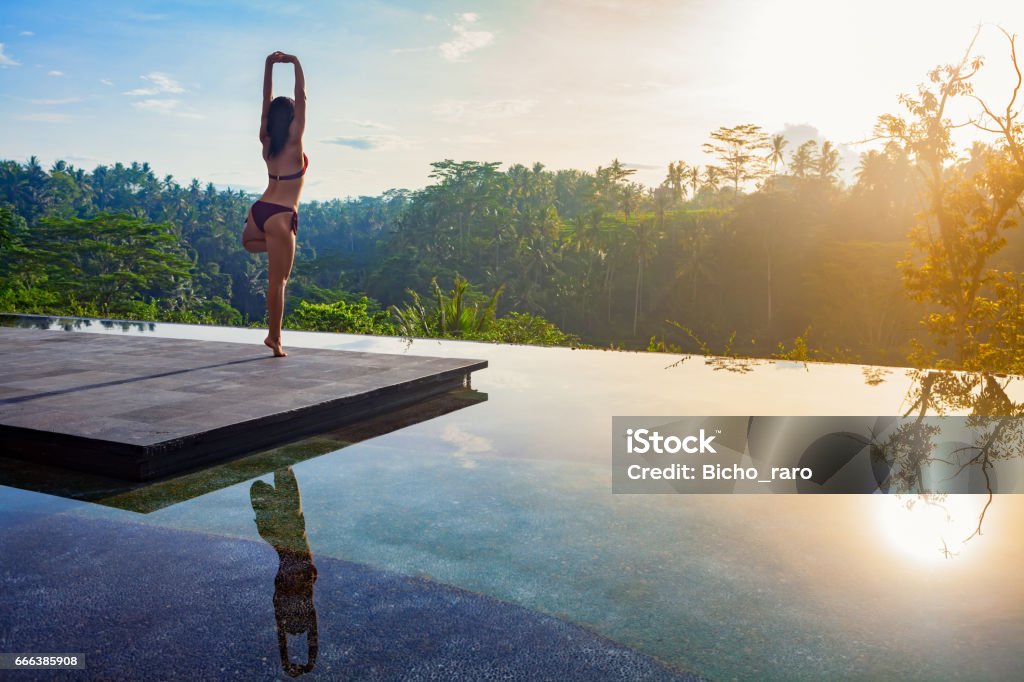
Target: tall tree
966,217
740,151
692,176
644,235
712,178
676,179
775,152
804,159
775,157
828,162
109,260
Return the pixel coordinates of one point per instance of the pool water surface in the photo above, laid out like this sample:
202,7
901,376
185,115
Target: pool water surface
499,518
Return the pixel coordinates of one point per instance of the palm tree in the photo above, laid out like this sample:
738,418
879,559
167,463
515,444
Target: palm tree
692,176
804,159
828,162
675,180
976,157
611,183
694,265
870,170
35,190
536,267
643,237
775,157
631,194
712,178
610,248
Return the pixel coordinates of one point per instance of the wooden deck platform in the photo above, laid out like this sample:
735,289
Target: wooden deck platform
140,408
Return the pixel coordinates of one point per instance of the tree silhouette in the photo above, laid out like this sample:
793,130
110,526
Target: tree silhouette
775,153
968,210
739,149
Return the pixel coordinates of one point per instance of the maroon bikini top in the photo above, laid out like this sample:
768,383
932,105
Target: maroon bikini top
293,176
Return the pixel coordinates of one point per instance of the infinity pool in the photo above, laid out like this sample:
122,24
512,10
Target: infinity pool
487,536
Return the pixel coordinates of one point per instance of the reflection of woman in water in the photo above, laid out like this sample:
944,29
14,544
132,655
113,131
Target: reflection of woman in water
280,522
273,221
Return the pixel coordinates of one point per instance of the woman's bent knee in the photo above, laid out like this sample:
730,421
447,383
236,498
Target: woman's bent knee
255,245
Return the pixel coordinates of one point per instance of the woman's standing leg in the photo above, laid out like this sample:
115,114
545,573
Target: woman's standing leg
280,255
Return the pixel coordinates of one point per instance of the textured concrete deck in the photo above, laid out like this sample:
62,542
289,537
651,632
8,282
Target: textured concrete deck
143,497
140,408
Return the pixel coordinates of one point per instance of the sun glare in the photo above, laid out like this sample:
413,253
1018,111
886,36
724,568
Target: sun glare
928,528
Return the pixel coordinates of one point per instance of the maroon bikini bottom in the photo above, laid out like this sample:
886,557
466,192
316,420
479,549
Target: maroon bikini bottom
262,210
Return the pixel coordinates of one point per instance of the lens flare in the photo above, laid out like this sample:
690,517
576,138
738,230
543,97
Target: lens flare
930,527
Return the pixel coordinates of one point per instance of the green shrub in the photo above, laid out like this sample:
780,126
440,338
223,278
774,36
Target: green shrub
527,329
343,317
460,314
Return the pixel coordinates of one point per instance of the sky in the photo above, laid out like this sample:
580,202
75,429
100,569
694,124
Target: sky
394,86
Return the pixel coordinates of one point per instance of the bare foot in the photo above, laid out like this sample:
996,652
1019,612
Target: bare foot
275,346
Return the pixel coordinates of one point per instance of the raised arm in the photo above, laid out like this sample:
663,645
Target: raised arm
268,90
299,123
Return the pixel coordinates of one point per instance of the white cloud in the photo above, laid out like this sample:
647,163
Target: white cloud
642,166
106,81
55,73
56,102
460,110
45,117
162,106
466,39
27,34
471,139
166,107
465,443
161,83
5,60
372,142
363,123
75,158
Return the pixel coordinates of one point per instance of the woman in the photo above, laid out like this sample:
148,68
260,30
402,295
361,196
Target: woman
273,221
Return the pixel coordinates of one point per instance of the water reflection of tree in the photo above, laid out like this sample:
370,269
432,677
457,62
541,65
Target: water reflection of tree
280,522
992,416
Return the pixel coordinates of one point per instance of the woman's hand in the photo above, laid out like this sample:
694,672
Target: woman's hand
276,57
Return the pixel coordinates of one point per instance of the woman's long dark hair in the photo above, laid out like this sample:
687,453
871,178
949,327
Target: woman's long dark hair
279,118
